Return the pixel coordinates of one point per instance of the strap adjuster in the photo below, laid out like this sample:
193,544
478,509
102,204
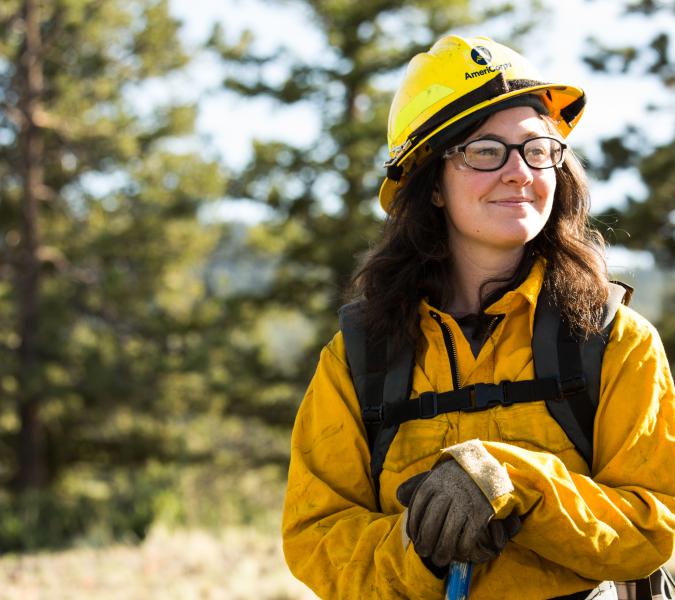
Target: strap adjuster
428,405
485,395
570,387
373,414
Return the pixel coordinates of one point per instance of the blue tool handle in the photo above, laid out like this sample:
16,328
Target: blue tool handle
459,579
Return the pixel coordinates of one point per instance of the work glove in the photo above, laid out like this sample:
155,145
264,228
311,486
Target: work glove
450,519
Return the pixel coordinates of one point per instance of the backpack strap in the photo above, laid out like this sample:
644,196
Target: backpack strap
382,374
576,363
470,398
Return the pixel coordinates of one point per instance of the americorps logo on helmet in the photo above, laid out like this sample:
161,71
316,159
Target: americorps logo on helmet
481,55
486,70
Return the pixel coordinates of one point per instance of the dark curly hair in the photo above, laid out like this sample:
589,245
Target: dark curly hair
412,260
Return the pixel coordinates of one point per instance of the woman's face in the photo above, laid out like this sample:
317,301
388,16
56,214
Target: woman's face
497,211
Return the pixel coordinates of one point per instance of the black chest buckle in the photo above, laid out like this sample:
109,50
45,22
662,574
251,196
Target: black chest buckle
487,395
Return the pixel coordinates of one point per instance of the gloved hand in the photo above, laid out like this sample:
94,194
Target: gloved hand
449,518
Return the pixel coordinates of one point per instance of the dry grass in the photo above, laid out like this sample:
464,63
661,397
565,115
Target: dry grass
240,564
182,565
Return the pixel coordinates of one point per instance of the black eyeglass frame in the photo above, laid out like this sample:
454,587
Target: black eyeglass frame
509,147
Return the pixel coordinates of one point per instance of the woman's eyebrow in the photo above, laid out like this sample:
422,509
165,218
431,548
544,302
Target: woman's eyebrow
493,136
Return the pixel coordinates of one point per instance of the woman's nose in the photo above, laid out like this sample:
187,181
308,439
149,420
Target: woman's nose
516,170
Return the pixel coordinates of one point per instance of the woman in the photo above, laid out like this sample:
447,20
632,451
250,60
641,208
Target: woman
486,209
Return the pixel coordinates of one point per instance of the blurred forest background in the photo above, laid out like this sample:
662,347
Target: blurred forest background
152,356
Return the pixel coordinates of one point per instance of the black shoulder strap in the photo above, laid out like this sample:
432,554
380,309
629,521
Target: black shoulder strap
381,374
576,363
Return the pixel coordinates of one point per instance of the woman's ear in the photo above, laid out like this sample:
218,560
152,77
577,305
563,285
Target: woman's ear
436,198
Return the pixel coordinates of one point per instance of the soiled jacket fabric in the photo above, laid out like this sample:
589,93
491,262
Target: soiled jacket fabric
579,528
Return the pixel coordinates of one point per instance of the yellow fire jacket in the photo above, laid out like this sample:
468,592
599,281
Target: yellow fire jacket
616,522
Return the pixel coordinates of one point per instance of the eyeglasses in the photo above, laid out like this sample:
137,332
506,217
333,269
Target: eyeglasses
489,155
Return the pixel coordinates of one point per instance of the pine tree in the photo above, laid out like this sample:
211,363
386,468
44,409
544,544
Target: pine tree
102,255
645,224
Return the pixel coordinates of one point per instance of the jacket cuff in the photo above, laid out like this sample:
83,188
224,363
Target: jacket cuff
424,566
488,474
436,571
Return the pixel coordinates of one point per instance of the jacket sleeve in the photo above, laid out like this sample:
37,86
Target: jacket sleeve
334,540
619,523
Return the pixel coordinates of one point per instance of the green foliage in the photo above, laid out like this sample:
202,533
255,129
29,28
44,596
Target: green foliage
647,224
241,483
122,510
123,301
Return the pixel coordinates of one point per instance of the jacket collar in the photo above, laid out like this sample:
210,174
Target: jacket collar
527,291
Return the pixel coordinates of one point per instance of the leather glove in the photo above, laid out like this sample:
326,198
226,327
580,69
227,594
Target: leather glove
449,518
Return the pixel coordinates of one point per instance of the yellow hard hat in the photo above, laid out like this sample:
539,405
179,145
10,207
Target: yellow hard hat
456,83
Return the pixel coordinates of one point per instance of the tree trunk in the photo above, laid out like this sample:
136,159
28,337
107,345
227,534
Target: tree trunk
32,465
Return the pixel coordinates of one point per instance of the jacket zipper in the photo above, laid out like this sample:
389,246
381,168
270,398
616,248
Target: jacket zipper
449,347
490,329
